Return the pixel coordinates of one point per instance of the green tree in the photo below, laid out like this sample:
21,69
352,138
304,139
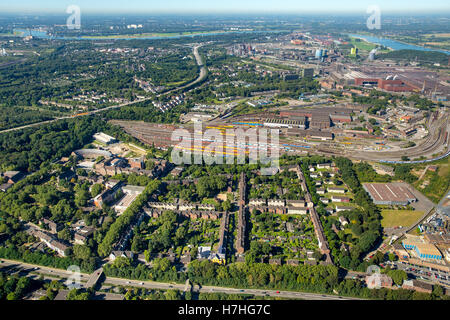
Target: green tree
82,252
398,276
172,294
96,189
226,205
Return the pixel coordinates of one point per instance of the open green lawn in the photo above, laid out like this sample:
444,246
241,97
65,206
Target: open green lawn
405,218
155,34
362,45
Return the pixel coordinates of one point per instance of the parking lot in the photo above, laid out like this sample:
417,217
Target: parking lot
424,273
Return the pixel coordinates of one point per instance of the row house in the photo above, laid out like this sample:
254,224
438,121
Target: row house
276,203
324,200
82,235
121,254
53,226
337,189
320,191
343,208
206,207
121,244
187,207
270,209
329,210
297,203
163,205
257,202
182,206
192,214
340,199
343,220
51,242
296,210
324,166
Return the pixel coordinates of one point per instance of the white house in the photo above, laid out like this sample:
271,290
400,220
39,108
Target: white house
343,221
276,203
297,210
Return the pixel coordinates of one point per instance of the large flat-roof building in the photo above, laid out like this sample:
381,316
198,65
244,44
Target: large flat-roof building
390,193
130,194
386,84
104,138
424,249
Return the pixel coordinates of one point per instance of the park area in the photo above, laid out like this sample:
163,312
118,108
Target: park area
395,218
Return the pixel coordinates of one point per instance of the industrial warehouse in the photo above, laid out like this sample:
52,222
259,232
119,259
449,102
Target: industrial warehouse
423,249
390,193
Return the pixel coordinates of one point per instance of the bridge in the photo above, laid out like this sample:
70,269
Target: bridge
187,286
93,278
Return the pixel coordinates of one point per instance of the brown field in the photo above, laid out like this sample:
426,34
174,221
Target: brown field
439,35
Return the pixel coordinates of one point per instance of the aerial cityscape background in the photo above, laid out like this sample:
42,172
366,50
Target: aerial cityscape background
238,150
232,6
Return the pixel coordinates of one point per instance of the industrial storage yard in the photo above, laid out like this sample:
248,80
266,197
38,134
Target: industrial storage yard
326,130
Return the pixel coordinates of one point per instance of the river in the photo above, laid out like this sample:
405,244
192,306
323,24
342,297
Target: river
393,44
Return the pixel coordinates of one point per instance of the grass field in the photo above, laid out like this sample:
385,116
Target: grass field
435,185
362,45
438,35
152,35
395,218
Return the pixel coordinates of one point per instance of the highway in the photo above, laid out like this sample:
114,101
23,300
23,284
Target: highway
75,116
215,289
201,76
52,273
203,72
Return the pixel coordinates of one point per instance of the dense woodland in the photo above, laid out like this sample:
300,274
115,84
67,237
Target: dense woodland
29,148
416,55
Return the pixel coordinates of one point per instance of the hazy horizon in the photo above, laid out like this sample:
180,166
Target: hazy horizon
328,7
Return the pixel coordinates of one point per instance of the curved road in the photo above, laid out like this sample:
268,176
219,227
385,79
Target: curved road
200,78
432,144
435,142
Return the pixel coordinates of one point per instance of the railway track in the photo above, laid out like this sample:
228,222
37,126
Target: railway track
431,144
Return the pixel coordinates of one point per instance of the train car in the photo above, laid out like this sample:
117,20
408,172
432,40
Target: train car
416,161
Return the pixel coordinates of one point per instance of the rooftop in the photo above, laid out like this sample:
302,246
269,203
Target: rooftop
389,192
422,245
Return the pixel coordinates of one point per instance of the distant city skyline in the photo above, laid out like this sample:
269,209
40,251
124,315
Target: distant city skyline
230,6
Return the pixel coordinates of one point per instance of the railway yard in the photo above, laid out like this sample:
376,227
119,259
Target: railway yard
317,130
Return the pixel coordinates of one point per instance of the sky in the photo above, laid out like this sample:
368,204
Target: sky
227,6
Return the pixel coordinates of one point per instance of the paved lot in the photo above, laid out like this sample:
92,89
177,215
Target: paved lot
423,203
